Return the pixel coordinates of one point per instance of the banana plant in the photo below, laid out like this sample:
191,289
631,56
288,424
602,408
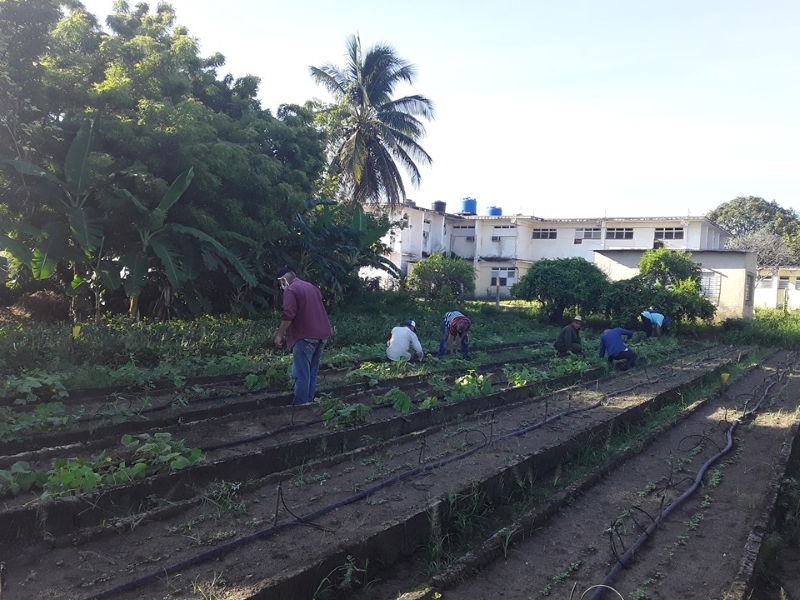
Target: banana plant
78,234
167,247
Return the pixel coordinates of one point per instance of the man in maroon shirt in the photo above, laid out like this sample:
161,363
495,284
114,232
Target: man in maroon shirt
305,328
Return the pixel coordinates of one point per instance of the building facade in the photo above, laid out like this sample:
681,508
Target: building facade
503,248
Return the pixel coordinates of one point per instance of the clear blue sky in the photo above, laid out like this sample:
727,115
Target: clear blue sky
557,109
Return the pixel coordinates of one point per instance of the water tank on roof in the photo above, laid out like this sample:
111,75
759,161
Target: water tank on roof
439,206
469,206
494,211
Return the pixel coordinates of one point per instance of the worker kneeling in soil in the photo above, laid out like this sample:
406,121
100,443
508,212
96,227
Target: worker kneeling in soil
401,340
569,340
611,342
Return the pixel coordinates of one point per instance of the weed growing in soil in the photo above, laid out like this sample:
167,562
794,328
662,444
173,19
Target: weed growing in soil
223,496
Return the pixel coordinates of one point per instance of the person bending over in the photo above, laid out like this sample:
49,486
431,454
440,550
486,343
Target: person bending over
455,325
402,340
611,342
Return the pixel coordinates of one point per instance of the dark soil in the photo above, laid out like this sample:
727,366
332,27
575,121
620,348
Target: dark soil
327,527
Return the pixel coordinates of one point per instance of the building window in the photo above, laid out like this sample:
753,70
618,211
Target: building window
783,283
749,284
711,285
544,234
669,233
587,233
619,233
470,238
765,282
495,238
507,277
463,230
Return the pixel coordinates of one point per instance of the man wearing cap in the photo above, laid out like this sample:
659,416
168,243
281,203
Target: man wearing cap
304,328
611,342
454,325
401,340
569,340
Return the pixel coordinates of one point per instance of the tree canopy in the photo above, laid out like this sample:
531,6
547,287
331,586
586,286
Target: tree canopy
666,268
562,283
100,124
749,216
373,132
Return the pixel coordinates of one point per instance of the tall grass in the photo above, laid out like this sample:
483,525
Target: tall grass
770,328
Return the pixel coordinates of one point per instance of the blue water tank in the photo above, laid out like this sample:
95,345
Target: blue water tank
494,211
469,206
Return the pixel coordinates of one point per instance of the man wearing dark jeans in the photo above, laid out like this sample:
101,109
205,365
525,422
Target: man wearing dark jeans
304,328
611,342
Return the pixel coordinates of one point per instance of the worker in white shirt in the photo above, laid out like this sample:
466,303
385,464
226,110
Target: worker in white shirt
401,340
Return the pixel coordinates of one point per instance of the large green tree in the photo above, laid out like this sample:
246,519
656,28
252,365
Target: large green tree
159,110
745,216
562,283
378,132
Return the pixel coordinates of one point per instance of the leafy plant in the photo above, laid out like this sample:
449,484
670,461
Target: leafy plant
152,455
29,387
520,375
399,400
337,414
470,385
272,377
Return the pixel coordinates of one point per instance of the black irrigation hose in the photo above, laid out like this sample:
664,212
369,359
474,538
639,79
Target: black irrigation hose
308,518
624,560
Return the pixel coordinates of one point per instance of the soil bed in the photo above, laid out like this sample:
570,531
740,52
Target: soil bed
705,549
263,552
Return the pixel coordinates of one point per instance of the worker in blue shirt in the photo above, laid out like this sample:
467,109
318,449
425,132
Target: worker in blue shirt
611,343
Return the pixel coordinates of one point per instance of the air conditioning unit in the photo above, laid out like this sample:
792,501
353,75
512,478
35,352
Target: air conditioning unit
426,234
470,238
495,238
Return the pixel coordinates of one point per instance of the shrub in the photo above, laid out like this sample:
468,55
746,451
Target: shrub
442,279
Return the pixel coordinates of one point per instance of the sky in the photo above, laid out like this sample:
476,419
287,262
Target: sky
567,109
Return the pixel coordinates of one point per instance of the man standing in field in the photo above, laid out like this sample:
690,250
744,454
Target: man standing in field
454,325
402,340
304,328
569,340
611,342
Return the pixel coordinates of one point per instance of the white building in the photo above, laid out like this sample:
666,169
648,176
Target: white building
779,288
503,248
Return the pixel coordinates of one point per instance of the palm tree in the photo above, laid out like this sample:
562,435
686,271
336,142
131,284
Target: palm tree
379,132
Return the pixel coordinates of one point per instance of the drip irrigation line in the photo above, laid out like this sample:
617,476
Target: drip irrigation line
627,558
226,548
